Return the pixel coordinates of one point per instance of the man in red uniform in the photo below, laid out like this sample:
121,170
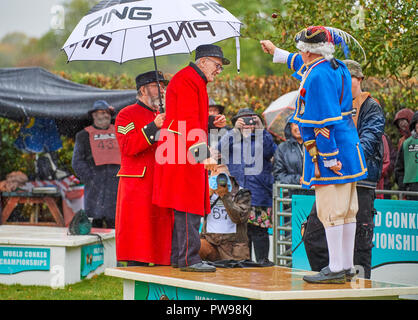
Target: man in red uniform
182,156
143,230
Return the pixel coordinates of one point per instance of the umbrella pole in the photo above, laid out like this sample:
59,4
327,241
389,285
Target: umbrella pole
156,71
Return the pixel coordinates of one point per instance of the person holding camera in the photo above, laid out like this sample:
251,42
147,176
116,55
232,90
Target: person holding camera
224,230
217,127
247,150
217,119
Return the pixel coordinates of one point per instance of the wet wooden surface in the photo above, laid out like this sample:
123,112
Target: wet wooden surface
260,283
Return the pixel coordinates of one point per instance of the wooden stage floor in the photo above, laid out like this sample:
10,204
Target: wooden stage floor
269,283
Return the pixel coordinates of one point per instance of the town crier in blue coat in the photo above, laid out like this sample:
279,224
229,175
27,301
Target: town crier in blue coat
334,158
183,157
143,230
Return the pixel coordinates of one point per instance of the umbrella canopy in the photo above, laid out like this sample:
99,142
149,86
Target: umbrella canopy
277,113
125,30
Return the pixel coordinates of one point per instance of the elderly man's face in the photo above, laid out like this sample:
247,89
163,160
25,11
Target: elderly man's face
150,94
211,67
308,57
305,57
101,119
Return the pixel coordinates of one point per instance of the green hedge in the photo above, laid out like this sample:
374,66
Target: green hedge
234,92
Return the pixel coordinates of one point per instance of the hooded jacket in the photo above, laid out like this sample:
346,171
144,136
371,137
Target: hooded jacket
288,159
406,173
406,114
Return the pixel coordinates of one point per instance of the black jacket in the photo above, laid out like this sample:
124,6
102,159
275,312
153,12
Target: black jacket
288,160
370,128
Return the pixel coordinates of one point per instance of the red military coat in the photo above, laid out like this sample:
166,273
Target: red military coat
179,181
143,230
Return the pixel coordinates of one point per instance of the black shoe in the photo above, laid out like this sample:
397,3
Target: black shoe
350,274
326,276
199,267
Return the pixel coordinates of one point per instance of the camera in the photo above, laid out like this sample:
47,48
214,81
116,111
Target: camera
210,122
249,121
222,180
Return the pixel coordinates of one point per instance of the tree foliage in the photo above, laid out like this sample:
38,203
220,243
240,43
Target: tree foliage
387,30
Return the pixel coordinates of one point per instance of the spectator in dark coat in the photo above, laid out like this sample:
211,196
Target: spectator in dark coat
217,127
288,159
406,167
96,161
247,150
402,120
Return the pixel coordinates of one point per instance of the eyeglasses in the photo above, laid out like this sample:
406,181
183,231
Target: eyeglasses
162,86
218,65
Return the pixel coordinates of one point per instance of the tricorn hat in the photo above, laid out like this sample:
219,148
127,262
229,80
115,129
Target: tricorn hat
314,34
322,40
210,50
149,77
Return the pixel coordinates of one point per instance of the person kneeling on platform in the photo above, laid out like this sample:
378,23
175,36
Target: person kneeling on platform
224,231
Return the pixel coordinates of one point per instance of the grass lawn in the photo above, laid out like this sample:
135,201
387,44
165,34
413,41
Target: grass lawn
99,287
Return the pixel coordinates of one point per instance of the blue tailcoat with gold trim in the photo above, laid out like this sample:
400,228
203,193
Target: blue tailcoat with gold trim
323,113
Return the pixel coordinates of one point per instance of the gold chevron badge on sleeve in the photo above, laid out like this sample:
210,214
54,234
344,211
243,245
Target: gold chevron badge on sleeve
126,129
324,131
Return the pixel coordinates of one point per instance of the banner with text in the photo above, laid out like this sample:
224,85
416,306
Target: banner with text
92,256
395,235
18,259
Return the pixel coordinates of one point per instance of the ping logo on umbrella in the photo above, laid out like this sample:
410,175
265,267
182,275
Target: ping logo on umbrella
134,13
159,39
185,27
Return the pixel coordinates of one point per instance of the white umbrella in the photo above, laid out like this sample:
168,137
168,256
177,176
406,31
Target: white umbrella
121,30
125,30
277,113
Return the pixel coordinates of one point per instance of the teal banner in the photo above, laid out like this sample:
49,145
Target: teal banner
395,235
92,256
301,207
154,291
19,259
